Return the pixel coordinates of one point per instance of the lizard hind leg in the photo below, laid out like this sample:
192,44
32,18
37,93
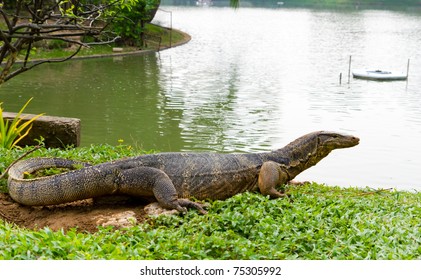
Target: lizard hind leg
167,197
149,181
270,176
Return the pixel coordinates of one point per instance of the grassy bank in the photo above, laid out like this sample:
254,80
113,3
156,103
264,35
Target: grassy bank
321,222
156,37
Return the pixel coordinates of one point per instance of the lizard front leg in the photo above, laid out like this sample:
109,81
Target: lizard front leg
148,181
270,176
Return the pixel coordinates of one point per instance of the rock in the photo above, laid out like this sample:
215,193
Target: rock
154,209
58,132
123,219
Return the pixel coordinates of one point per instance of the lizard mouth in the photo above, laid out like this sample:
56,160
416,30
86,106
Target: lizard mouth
338,140
355,140
347,141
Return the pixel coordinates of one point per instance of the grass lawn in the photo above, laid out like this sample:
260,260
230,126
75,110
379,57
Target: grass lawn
156,37
319,222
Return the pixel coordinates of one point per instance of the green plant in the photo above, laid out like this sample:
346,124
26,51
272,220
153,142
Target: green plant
317,222
130,17
12,132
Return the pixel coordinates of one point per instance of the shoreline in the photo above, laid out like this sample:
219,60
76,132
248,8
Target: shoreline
185,40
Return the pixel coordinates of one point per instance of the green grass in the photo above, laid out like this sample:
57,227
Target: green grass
57,53
166,35
60,52
321,222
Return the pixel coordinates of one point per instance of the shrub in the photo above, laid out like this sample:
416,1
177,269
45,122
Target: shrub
129,18
12,132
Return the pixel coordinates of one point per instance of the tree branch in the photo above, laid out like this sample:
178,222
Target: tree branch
25,68
40,20
6,19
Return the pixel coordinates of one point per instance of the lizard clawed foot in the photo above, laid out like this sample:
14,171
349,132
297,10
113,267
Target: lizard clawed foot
185,203
298,183
288,196
275,195
180,206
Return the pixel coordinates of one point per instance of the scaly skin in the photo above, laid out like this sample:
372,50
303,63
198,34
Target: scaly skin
172,178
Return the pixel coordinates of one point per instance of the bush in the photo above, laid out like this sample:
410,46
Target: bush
12,132
130,18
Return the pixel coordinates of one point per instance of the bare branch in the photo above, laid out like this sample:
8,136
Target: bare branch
104,42
6,41
25,68
40,20
6,19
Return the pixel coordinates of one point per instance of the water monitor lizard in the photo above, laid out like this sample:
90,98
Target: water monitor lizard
173,178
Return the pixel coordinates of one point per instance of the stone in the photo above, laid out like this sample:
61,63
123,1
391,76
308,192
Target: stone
58,132
120,220
154,209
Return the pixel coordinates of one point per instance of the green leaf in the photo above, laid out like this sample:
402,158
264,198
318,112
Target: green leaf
13,132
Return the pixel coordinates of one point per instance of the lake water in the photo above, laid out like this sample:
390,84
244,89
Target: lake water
254,79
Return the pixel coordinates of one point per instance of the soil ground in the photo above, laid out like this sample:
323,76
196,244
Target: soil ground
85,215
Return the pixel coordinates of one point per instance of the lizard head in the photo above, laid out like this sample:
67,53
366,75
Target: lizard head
319,144
333,140
311,148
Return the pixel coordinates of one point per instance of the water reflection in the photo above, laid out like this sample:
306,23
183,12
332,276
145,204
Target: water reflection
115,98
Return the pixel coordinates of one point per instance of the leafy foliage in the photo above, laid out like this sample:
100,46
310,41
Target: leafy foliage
130,16
318,222
12,132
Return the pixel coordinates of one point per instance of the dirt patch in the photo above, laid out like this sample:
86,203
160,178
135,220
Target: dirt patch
85,215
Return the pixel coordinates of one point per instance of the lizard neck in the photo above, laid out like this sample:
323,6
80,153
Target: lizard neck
298,156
